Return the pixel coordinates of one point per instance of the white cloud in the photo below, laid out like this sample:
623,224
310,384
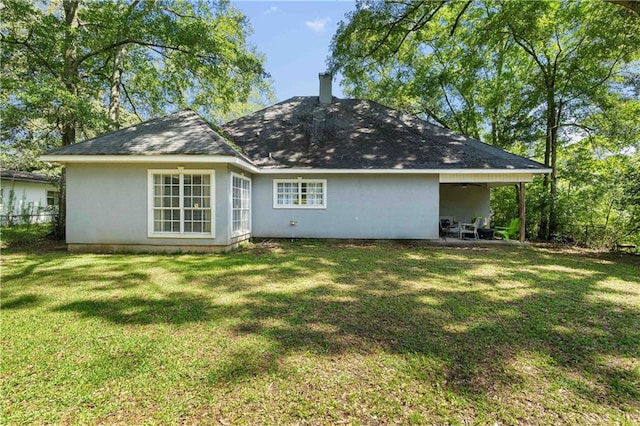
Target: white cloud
318,26
271,10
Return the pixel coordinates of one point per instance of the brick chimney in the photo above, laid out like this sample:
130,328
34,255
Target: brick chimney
325,88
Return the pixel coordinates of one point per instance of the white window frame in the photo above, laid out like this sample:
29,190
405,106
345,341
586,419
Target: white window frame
246,230
150,208
55,196
299,181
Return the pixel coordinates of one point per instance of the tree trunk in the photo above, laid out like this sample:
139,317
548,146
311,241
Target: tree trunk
553,195
543,228
522,211
69,121
547,211
116,81
494,127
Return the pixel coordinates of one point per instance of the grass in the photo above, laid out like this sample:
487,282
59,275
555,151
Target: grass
322,333
25,235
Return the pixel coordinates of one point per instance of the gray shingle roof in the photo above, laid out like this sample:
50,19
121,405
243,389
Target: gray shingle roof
15,175
358,134
182,133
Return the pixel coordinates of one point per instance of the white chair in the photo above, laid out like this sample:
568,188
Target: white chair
471,228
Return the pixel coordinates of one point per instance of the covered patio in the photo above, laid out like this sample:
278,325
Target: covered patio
465,197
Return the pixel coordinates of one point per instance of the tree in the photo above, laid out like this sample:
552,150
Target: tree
629,4
80,68
524,75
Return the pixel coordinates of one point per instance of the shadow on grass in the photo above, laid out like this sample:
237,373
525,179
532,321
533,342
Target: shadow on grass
22,302
177,308
441,303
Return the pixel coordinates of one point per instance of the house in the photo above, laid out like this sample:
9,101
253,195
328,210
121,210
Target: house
26,198
308,167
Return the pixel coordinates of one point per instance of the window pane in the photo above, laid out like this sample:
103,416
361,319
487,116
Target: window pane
166,220
287,187
240,202
300,192
314,199
286,200
196,203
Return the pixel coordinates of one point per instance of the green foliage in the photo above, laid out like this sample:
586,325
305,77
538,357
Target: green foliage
176,54
530,76
598,198
24,235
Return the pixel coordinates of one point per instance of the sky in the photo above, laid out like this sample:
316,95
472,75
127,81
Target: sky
295,37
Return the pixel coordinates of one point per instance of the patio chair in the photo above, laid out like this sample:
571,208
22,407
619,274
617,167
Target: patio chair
471,228
510,232
448,225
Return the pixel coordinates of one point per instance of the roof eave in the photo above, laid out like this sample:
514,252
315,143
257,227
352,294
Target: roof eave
219,159
149,159
10,179
535,172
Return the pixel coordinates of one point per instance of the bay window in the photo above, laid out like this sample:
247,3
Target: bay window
240,205
181,203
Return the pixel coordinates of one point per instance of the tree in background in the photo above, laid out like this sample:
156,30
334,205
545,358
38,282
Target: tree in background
534,77
75,69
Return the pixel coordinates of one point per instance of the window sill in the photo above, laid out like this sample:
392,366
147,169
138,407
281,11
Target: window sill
241,234
181,236
301,207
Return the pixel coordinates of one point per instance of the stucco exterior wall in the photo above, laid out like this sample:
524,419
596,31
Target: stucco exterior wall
464,203
358,206
107,205
29,198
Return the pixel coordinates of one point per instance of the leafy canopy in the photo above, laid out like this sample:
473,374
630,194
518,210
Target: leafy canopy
169,55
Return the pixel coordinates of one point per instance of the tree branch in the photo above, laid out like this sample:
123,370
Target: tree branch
460,128
132,41
431,114
133,106
633,5
462,11
522,42
417,26
24,43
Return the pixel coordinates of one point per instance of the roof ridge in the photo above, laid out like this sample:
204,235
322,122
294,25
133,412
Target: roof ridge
223,137
266,108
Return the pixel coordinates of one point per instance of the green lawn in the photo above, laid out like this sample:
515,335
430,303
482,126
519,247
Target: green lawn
322,333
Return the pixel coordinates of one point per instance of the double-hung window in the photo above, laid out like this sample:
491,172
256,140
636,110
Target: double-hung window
53,198
240,205
300,193
181,203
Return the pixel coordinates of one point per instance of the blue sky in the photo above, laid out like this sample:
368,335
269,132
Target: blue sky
295,37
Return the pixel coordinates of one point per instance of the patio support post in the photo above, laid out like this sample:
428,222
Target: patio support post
522,211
